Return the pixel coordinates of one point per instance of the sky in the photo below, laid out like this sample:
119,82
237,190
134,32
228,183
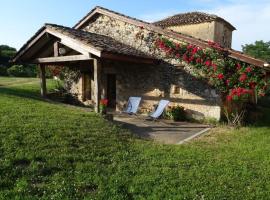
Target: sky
20,19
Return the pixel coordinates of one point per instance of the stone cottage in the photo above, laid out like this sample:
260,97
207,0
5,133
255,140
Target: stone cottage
116,58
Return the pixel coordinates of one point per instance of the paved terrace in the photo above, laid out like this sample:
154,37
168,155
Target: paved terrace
163,131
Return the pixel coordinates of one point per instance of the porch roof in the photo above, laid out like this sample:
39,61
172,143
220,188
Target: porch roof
84,42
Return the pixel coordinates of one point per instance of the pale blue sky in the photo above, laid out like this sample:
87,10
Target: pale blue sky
20,19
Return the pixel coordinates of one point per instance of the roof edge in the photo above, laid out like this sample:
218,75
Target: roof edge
214,18
169,33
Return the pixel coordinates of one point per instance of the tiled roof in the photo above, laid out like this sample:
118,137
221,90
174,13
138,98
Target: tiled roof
169,33
190,18
100,42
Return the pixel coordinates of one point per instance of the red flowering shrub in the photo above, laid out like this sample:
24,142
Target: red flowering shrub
232,78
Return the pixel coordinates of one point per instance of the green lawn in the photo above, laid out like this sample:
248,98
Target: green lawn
53,151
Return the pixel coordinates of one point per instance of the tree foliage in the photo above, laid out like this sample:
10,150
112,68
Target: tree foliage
259,49
6,68
6,53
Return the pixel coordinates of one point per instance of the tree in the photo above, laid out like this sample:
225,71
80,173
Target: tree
6,53
259,49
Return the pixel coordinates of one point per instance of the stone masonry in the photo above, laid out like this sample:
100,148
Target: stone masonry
168,79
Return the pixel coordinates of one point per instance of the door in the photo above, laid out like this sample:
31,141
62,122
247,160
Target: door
86,87
111,90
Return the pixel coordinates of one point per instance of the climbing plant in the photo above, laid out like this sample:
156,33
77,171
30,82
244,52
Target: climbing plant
235,80
232,78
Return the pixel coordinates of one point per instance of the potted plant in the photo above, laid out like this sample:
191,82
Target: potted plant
103,106
178,113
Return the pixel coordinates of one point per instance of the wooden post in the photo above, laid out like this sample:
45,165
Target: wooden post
43,88
97,76
56,49
83,87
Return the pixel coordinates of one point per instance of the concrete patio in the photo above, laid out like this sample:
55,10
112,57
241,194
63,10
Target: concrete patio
163,131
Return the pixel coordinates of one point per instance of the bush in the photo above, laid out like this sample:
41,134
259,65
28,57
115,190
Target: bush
22,71
177,113
3,70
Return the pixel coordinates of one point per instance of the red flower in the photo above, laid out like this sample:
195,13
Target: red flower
214,66
189,46
240,91
195,50
178,55
177,46
227,82
208,63
104,102
185,57
161,44
243,77
238,66
198,60
220,76
229,97
248,69
211,42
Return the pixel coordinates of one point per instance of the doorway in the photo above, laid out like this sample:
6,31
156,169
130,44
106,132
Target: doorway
86,87
111,90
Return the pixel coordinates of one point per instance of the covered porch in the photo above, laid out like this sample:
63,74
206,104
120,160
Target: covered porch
89,53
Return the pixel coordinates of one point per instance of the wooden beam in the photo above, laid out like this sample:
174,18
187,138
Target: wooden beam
97,76
56,49
43,88
62,59
76,44
126,58
25,48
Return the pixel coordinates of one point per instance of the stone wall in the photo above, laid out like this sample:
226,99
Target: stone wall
215,31
223,34
204,31
163,81
170,79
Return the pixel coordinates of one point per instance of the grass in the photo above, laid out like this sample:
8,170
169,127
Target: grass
52,151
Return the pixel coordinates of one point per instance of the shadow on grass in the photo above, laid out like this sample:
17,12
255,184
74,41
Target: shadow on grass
20,92
33,93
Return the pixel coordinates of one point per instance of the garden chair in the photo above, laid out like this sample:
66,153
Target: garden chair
132,105
160,109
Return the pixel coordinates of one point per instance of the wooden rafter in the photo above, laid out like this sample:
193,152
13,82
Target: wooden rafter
62,59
